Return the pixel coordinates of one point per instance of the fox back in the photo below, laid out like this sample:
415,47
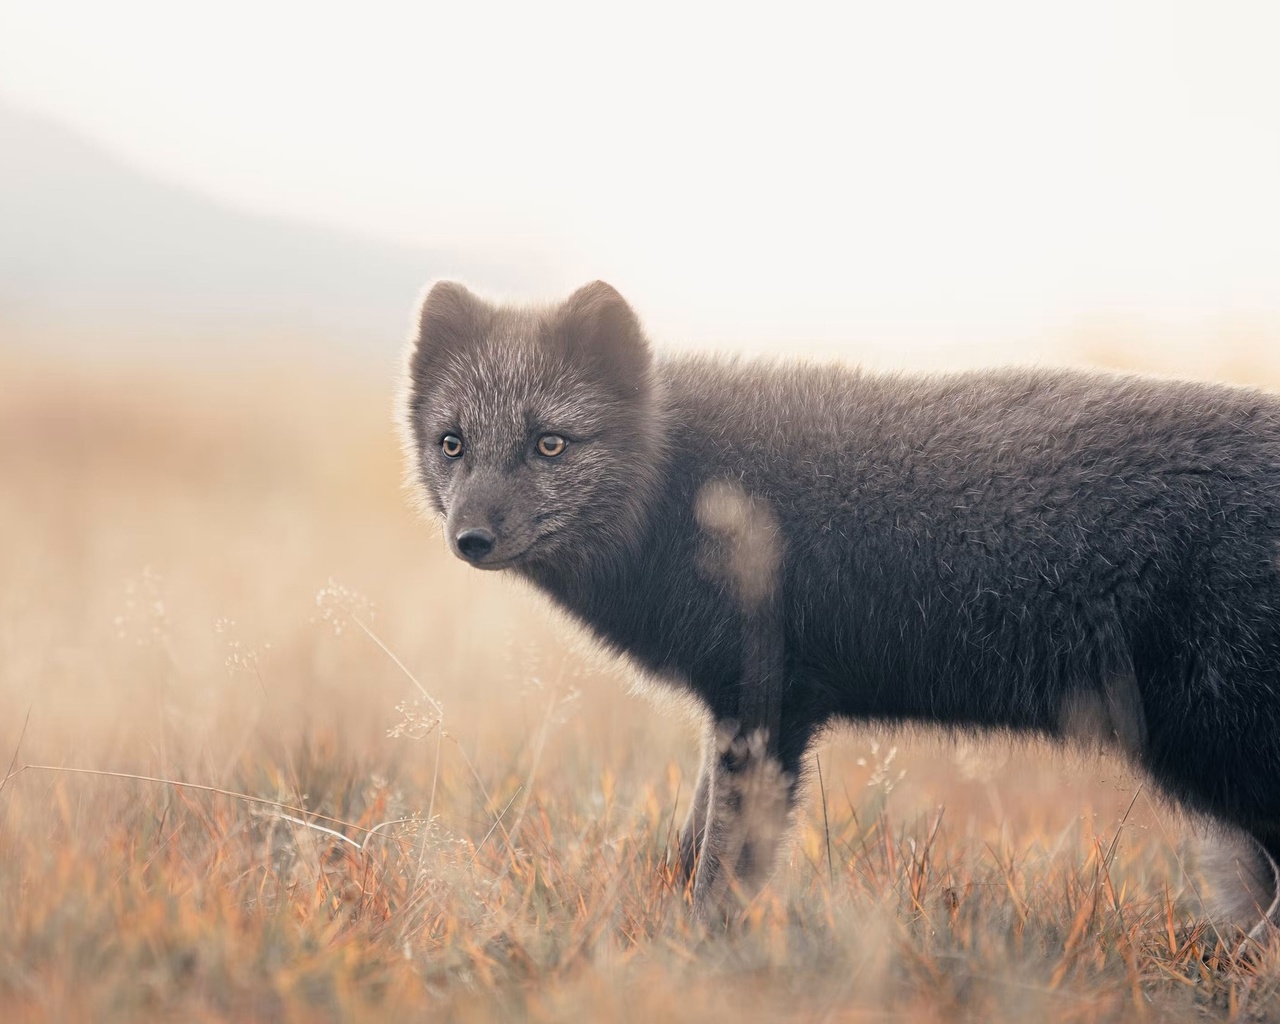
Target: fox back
1065,553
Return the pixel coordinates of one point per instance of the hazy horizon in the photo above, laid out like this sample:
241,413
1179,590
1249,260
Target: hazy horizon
912,181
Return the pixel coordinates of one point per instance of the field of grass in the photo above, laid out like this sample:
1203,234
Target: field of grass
270,753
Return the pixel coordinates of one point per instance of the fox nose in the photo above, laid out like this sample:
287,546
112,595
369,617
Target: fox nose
474,544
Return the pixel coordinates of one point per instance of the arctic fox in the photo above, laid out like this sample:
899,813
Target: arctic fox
1057,552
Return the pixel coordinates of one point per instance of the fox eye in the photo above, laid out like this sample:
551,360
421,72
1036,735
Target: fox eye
451,445
551,445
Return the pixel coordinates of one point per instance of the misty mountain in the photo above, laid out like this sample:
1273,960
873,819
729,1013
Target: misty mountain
92,248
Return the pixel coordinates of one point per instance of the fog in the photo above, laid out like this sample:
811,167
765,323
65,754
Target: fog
915,184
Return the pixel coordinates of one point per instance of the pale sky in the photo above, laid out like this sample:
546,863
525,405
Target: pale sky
920,173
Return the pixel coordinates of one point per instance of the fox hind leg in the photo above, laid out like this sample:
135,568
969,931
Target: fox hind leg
1269,847
695,826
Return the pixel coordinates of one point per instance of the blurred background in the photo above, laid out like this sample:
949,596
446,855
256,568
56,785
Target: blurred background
215,221
915,183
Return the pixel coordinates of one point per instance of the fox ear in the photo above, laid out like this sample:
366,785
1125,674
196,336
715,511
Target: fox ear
600,328
451,318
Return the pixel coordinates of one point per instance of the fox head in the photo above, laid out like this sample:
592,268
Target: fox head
531,432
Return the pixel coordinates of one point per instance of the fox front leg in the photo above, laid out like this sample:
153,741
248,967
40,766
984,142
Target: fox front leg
746,790
749,798
746,780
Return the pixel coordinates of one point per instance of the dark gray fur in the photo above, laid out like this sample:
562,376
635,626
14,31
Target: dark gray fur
1053,552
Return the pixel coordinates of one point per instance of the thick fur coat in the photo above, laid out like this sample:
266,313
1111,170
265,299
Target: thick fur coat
1055,552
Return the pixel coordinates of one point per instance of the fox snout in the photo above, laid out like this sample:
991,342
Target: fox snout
481,533
474,544
478,540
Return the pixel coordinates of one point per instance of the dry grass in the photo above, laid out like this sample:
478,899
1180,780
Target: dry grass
217,581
